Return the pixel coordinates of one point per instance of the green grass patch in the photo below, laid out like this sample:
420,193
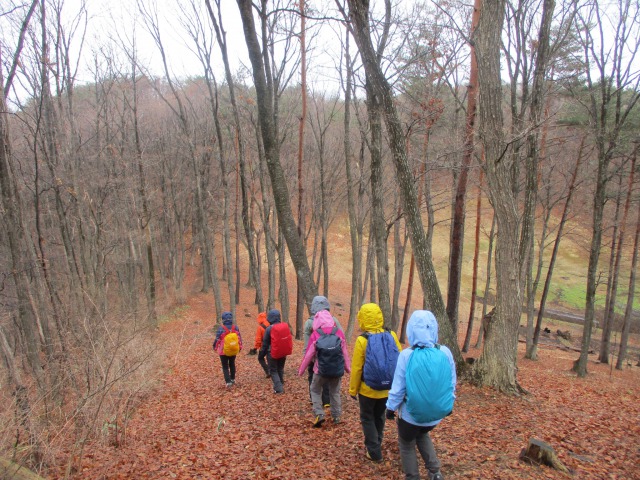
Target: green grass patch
173,314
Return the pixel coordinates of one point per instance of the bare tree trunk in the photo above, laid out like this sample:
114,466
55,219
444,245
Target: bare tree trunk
476,255
222,42
459,213
608,113
378,224
612,257
144,219
605,344
532,353
354,233
278,180
487,284
497,364
624,337
359,16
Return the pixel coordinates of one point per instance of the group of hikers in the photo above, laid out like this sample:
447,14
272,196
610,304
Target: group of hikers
414,386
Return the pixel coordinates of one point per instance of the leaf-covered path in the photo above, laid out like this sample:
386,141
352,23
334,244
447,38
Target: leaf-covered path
193,427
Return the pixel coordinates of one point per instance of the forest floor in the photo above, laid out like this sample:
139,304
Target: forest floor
193,427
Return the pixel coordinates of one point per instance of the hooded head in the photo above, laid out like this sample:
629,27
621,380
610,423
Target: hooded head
227,319
422,329
323,319
318,304
273,316
262,318
370,318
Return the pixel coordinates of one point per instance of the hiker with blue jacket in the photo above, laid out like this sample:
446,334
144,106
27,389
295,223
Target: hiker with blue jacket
422,393
375,354
318,304
277,344
227,359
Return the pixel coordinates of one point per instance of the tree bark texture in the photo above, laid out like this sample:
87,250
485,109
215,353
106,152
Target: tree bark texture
278,179
497,366
359,16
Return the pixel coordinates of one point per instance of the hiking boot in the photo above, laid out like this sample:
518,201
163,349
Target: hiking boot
317,423
233,381
368,457
436,476
229,384
337,420
278,392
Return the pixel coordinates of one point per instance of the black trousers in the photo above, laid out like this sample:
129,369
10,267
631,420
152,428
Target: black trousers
228,368
372,419
276,370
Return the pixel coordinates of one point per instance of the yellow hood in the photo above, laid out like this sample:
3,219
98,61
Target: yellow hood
370,318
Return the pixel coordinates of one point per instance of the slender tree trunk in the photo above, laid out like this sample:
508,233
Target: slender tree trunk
359,16
459,213
624,337
222,42
286,220
605,344
487,284
476,255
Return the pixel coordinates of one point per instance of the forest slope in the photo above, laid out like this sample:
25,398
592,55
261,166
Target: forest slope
193,427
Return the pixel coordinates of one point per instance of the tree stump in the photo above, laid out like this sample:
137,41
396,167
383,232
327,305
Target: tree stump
538,452
13,471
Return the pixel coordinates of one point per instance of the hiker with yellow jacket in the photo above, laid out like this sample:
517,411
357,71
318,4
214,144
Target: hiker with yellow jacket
375,354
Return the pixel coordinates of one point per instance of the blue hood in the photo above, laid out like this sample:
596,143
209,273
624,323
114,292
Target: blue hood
318,304
422,329
273,316
227,319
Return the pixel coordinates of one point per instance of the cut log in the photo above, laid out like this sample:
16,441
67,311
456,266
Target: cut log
540,453
566,334
13,471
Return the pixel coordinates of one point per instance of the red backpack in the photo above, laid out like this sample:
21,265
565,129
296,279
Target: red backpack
281,340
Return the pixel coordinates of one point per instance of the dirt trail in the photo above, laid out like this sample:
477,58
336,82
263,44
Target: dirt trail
193,427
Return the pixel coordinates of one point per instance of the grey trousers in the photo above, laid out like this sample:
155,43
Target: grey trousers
334,384
409,437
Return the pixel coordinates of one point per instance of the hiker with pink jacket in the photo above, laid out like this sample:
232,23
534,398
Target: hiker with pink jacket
327,348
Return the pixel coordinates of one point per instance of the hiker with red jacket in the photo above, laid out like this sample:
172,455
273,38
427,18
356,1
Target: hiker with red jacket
277,344
227,344
375,355
263,324
328,350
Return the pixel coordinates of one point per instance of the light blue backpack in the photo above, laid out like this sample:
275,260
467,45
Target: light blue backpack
429,392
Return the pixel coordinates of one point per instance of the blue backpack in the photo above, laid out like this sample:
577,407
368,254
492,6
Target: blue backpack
380,360
329,354
429,392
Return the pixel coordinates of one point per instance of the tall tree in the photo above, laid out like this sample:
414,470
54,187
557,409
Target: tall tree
612,93
265,96
459,213
359,19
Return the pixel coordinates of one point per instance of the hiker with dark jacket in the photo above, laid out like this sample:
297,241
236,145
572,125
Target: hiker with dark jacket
372,398
276,365
318,304
422,333
263,324
228,361
325,325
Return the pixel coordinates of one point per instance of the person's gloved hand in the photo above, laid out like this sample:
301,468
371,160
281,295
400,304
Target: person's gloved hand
253,351
391,415
355,397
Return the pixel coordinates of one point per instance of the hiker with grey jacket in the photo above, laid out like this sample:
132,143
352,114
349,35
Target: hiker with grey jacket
423,392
